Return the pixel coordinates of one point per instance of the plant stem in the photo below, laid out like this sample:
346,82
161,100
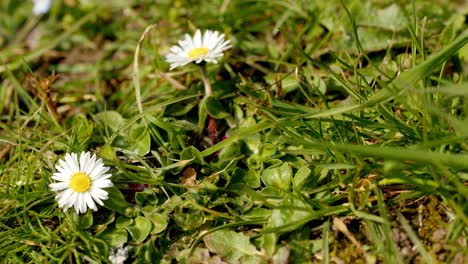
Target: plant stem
212,131
206,82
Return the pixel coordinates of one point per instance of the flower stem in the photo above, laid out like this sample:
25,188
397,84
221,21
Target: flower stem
212,131
206,82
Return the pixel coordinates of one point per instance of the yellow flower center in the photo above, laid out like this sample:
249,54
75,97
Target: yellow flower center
197,52
80,182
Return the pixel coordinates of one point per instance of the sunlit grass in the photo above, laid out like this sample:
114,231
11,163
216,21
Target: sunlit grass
341,132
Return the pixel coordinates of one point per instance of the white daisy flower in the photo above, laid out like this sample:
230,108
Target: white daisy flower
208,47
41,6
81,182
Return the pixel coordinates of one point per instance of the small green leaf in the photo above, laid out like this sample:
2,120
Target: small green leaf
181,125
301,178
463,53
116,201
110,119
159,222
248,87
192,153
251,177
139,141
232,150
86,220
116,237
278,177
108,152
140,229
147,253
180,109
146,196
231,246
215,108
293,213
123,222
83,221
269,241
390,18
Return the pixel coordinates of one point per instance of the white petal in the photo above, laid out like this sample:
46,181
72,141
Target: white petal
89,201
58,186
72,162
63,167
84,161
197,43
97,193
102,183
66,168
206,39
61,177
77,203
65,198
97,172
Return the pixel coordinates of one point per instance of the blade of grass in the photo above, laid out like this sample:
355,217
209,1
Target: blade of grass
136,71
414,239
50,45
325,242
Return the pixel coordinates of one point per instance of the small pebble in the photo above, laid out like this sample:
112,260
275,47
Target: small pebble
438,235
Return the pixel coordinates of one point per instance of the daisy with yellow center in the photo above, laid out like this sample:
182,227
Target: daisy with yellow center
207,47
80,182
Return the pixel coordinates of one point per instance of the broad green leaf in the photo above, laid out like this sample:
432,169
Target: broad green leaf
139,141
231,151
288,84
258,213
147,253
108,152
215,108
140,229
86,220
251,177
83,221
198,255
389,18
192,153
278,176
116,237
159,222
110,119
463,53
181,125
292,214
231,246
375,39
181,109
116,200
301,178
123,221
269,241
146,196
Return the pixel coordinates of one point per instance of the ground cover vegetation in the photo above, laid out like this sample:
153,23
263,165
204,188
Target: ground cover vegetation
332,132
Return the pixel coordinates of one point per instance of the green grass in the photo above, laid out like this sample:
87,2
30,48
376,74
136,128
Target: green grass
342,132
